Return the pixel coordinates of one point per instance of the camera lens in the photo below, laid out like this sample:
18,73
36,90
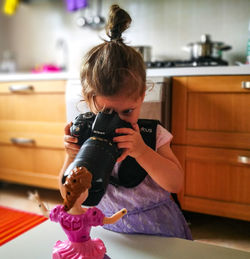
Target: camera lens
98,156
98,153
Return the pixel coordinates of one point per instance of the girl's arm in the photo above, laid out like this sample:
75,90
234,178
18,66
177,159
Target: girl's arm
71,149
36,198
115,217
163,166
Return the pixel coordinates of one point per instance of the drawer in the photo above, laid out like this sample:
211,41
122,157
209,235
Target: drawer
31,165
211,111
32,134
32,87
240,84
218,174
35,101
31,159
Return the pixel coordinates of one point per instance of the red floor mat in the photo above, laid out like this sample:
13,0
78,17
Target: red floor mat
15,222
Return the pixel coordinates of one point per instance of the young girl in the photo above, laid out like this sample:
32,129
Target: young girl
77,221
113,77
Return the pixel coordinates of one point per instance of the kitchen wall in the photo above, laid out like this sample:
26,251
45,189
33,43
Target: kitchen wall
3,34
167,25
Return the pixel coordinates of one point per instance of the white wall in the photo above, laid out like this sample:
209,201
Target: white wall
165,25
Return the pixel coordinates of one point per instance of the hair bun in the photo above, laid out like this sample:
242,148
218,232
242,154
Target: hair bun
119,20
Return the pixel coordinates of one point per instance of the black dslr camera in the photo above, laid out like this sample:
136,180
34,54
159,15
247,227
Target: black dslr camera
98,152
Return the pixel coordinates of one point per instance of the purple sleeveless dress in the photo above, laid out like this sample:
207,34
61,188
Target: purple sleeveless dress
77,228
151,210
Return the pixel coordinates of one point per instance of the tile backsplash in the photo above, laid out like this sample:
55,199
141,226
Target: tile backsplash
166,25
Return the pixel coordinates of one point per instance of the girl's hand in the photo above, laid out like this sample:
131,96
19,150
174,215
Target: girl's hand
131,141
70,142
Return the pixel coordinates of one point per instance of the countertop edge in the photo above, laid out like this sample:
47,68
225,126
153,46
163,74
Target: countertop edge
157,72
200,71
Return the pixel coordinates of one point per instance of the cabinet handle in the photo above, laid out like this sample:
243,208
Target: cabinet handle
22,141
245,85
244,160
21,88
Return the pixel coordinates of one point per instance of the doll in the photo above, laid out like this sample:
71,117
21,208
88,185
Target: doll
76,220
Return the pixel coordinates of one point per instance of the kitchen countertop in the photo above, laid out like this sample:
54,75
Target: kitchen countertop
38,242
159,72
200,71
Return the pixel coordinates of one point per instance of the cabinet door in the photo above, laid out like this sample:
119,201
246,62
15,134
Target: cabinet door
31,165
211,129
216,181
32,121
211,111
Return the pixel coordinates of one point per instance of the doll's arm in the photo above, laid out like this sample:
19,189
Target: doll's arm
115,217
34,196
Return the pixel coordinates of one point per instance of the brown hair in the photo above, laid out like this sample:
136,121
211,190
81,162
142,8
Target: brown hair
112,67
77,182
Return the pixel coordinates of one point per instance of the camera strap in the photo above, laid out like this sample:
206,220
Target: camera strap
130,173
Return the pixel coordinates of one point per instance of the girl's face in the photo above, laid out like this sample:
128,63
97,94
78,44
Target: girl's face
127,108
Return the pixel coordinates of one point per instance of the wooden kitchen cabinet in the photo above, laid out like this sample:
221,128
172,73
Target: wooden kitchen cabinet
32,121
211,128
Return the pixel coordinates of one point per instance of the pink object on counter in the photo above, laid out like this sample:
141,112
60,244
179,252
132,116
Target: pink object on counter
46,69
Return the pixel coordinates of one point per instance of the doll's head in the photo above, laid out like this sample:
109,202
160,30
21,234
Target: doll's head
113,68
77,182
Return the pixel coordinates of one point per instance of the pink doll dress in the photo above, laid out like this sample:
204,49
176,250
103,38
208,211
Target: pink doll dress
77,228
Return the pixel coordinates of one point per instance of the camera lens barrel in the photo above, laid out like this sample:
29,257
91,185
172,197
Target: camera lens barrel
98,156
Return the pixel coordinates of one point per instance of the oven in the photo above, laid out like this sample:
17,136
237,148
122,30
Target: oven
156,105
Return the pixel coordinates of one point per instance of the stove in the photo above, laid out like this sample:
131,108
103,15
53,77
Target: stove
202,62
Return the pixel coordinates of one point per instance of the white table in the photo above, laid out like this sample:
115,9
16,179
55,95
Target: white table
37,243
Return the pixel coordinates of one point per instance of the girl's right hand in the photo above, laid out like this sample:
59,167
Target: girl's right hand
70,142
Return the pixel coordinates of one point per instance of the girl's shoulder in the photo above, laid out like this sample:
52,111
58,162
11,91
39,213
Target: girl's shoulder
163,136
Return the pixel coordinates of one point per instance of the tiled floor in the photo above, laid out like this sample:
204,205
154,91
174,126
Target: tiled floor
209,229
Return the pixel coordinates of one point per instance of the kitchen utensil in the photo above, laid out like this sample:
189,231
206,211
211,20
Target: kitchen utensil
95,22
206,48
98,21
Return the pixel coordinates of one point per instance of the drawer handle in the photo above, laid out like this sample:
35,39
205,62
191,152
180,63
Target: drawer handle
245,85
244,160
21,88
22,141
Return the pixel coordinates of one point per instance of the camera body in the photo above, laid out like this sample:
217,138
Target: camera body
82,127
98,152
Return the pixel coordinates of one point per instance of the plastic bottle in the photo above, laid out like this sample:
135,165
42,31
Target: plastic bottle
248,46
8,63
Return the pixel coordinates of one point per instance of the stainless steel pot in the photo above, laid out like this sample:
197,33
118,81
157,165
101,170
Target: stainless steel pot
145,52
206,48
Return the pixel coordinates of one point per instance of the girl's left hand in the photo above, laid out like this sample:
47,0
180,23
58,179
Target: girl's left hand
131,141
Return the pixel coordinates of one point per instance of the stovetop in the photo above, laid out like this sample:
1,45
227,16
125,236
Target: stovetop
204,62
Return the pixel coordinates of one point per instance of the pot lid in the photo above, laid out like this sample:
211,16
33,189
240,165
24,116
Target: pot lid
206,39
